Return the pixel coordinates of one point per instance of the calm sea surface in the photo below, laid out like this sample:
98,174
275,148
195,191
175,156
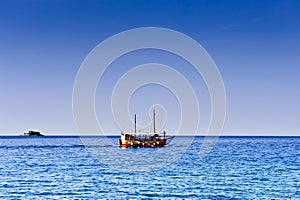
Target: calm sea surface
237,168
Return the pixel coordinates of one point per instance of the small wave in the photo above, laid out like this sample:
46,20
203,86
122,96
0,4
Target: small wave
41,146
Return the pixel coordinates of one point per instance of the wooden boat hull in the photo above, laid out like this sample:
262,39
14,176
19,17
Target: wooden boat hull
141,144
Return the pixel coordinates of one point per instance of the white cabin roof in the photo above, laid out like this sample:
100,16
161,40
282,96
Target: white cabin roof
139,133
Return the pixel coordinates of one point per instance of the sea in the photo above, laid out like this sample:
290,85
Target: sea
65,167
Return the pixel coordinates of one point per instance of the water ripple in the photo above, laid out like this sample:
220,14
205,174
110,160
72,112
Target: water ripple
237,168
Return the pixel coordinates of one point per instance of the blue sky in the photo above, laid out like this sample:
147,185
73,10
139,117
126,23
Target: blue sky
255,44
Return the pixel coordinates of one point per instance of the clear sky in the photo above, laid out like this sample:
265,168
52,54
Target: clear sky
255,44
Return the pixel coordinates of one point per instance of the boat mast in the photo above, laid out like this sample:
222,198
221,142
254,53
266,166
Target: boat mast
154,121
135,123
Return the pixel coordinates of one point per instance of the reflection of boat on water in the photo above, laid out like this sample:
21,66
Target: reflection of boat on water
32,133
148,139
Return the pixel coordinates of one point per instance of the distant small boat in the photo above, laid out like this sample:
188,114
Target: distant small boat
32,133
148,139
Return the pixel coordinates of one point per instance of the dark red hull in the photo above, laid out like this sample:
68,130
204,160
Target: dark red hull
135,144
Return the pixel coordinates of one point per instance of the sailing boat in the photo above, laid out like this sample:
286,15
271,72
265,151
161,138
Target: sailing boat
148,139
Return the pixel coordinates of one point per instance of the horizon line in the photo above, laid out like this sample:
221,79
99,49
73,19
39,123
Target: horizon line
73,135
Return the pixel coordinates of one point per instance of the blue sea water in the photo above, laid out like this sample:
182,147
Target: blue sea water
236,168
